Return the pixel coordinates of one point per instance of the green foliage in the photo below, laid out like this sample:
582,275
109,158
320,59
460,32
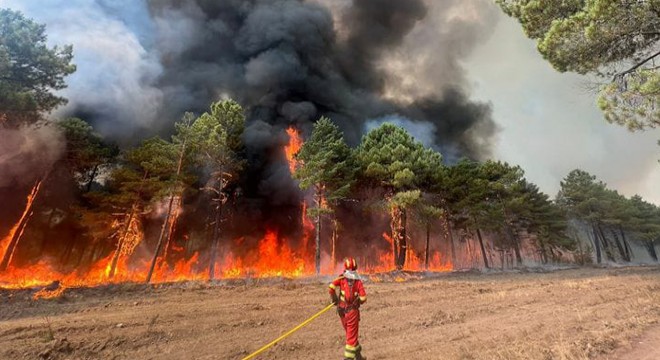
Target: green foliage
644,220
609,38
580,194
388,156
326,162
144,175
495,196
85,150
632,100
216,140
587,199
29,70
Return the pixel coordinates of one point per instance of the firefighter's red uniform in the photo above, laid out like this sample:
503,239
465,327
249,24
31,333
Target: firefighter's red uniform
351,296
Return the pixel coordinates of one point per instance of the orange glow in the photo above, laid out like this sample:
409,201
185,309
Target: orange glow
22,222
414,261
273,255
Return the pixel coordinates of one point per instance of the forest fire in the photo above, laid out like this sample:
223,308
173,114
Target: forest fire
274,255
10,242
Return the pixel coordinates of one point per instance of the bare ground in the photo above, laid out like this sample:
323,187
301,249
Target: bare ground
570,314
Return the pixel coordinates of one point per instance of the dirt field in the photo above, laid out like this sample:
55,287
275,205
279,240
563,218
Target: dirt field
569,314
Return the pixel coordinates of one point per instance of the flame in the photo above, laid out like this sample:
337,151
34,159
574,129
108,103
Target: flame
414,260
274,255
292,148
22,222
46,293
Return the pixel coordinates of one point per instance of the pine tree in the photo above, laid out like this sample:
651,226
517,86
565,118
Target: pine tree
392,159
327,168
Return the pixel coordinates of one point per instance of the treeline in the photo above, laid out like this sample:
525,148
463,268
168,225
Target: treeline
471,198
609,219
99,200
488,203
119,191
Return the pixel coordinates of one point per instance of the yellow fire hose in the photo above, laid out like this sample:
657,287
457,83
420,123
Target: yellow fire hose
265,347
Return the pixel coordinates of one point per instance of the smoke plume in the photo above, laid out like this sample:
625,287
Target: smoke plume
27,154
288,62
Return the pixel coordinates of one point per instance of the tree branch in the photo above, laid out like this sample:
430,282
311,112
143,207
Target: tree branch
636,66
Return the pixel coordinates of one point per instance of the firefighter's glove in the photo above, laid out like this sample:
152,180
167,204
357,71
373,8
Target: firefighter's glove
334,299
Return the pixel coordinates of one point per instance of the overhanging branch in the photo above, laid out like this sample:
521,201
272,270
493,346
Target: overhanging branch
636,66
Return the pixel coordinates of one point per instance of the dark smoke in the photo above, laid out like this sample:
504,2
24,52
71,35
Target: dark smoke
289,62
141,64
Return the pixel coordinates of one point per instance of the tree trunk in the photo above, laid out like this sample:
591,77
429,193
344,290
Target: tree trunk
606,245
317,249
483,249
516,244
625,243
650,247
403,246
170,235
88,188
544,255
134,209
399,237
502,259
164,228
596,245
19,228
450,237
428,238
335,226
215,240
619,246
120,244
159,245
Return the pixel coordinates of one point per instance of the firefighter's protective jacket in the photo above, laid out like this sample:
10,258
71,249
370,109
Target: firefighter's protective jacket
351,292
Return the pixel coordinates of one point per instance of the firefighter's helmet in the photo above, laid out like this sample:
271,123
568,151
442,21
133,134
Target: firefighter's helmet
350,264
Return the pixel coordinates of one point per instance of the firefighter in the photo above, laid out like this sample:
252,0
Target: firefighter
351,296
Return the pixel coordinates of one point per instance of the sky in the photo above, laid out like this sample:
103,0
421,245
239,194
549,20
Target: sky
548,122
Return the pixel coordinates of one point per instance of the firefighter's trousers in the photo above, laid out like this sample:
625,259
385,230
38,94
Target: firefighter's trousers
351,323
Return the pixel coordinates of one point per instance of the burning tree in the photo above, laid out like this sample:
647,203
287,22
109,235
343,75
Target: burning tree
180,182
391,158
144,176
216,141
326,167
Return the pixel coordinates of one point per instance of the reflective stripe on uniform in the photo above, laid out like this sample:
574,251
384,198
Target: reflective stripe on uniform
332,286
350,352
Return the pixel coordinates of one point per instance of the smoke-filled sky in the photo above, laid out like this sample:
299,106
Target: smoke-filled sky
458,72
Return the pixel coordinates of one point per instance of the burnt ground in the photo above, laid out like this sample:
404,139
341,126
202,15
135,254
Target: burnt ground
588,313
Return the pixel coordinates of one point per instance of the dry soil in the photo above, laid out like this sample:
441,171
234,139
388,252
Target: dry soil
588,313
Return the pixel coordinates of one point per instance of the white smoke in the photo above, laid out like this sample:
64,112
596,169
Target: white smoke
114,63
28,153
